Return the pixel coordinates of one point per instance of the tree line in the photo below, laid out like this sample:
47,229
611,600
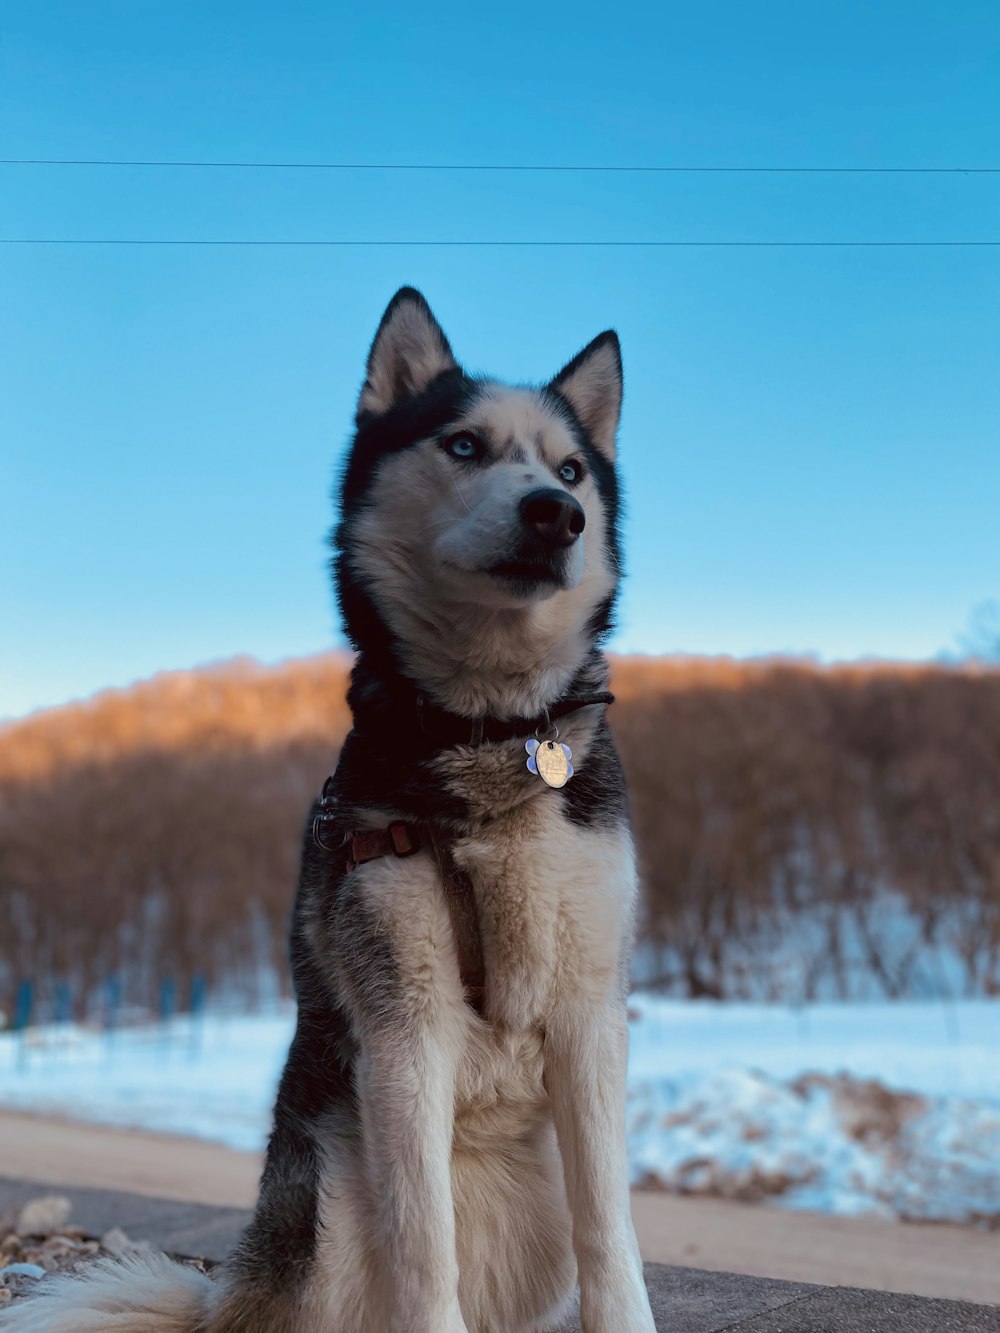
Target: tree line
803,832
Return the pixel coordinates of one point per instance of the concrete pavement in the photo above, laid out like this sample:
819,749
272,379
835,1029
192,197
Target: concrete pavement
685,1300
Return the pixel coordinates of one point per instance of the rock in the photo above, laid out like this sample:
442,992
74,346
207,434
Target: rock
35,1239
116,1242
22,1270
20,1284
44,1215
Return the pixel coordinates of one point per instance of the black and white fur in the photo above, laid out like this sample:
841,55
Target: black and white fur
432,1170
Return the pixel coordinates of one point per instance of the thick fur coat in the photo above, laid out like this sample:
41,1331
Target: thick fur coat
434,1169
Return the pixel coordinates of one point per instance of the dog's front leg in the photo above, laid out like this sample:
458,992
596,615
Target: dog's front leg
585,1059
406,1081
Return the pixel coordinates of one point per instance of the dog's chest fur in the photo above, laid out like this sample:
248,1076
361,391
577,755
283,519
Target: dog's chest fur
550,896
554,903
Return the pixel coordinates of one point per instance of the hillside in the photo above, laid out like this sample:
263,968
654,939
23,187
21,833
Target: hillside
803,831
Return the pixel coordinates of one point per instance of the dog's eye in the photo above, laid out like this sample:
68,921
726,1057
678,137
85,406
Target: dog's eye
571,472
464,447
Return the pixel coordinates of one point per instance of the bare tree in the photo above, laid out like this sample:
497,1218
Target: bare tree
802,831
981,639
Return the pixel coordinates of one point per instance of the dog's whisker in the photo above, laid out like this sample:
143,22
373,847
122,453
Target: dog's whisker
460,495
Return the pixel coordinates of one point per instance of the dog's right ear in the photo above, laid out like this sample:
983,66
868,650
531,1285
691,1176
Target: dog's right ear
409,351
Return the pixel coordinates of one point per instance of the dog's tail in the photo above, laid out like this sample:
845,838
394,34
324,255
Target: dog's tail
144,1292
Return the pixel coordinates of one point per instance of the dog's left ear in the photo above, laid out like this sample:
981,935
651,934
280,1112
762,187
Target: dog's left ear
592,385
408,353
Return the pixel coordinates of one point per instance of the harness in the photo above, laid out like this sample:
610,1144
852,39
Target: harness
403,838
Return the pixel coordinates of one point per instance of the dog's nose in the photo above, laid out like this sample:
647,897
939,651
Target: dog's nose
556,517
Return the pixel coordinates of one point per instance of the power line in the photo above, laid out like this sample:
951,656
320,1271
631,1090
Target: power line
444,244
507,167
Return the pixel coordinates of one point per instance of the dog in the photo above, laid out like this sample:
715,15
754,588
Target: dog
448,1152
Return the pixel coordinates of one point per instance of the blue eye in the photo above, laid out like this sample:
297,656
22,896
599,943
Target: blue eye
571,472
466,448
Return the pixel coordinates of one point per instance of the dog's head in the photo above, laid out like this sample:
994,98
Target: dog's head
467,501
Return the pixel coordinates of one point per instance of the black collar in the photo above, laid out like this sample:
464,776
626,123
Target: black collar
447,729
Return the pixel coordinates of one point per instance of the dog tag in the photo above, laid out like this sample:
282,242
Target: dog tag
550,760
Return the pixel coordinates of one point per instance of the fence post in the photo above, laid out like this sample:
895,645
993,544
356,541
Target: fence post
23,1005
165,1012
196,1004
167,995
112,1004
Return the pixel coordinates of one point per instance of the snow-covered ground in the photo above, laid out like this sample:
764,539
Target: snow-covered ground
887,1108
880,1108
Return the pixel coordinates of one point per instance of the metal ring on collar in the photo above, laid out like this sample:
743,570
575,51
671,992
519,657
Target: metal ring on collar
547,732
317,822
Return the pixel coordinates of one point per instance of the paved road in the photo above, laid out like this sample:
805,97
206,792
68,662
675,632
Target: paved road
958,1263
685,1300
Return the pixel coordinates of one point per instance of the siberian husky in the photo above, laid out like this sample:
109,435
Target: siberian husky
448,1152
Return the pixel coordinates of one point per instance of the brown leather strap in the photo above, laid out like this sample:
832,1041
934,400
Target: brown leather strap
461,899
402,839
398,839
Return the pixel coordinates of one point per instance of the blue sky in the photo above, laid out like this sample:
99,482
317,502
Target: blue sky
810,439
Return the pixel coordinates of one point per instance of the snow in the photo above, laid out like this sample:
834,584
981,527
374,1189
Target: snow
946,1048
213,1078
892,1109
